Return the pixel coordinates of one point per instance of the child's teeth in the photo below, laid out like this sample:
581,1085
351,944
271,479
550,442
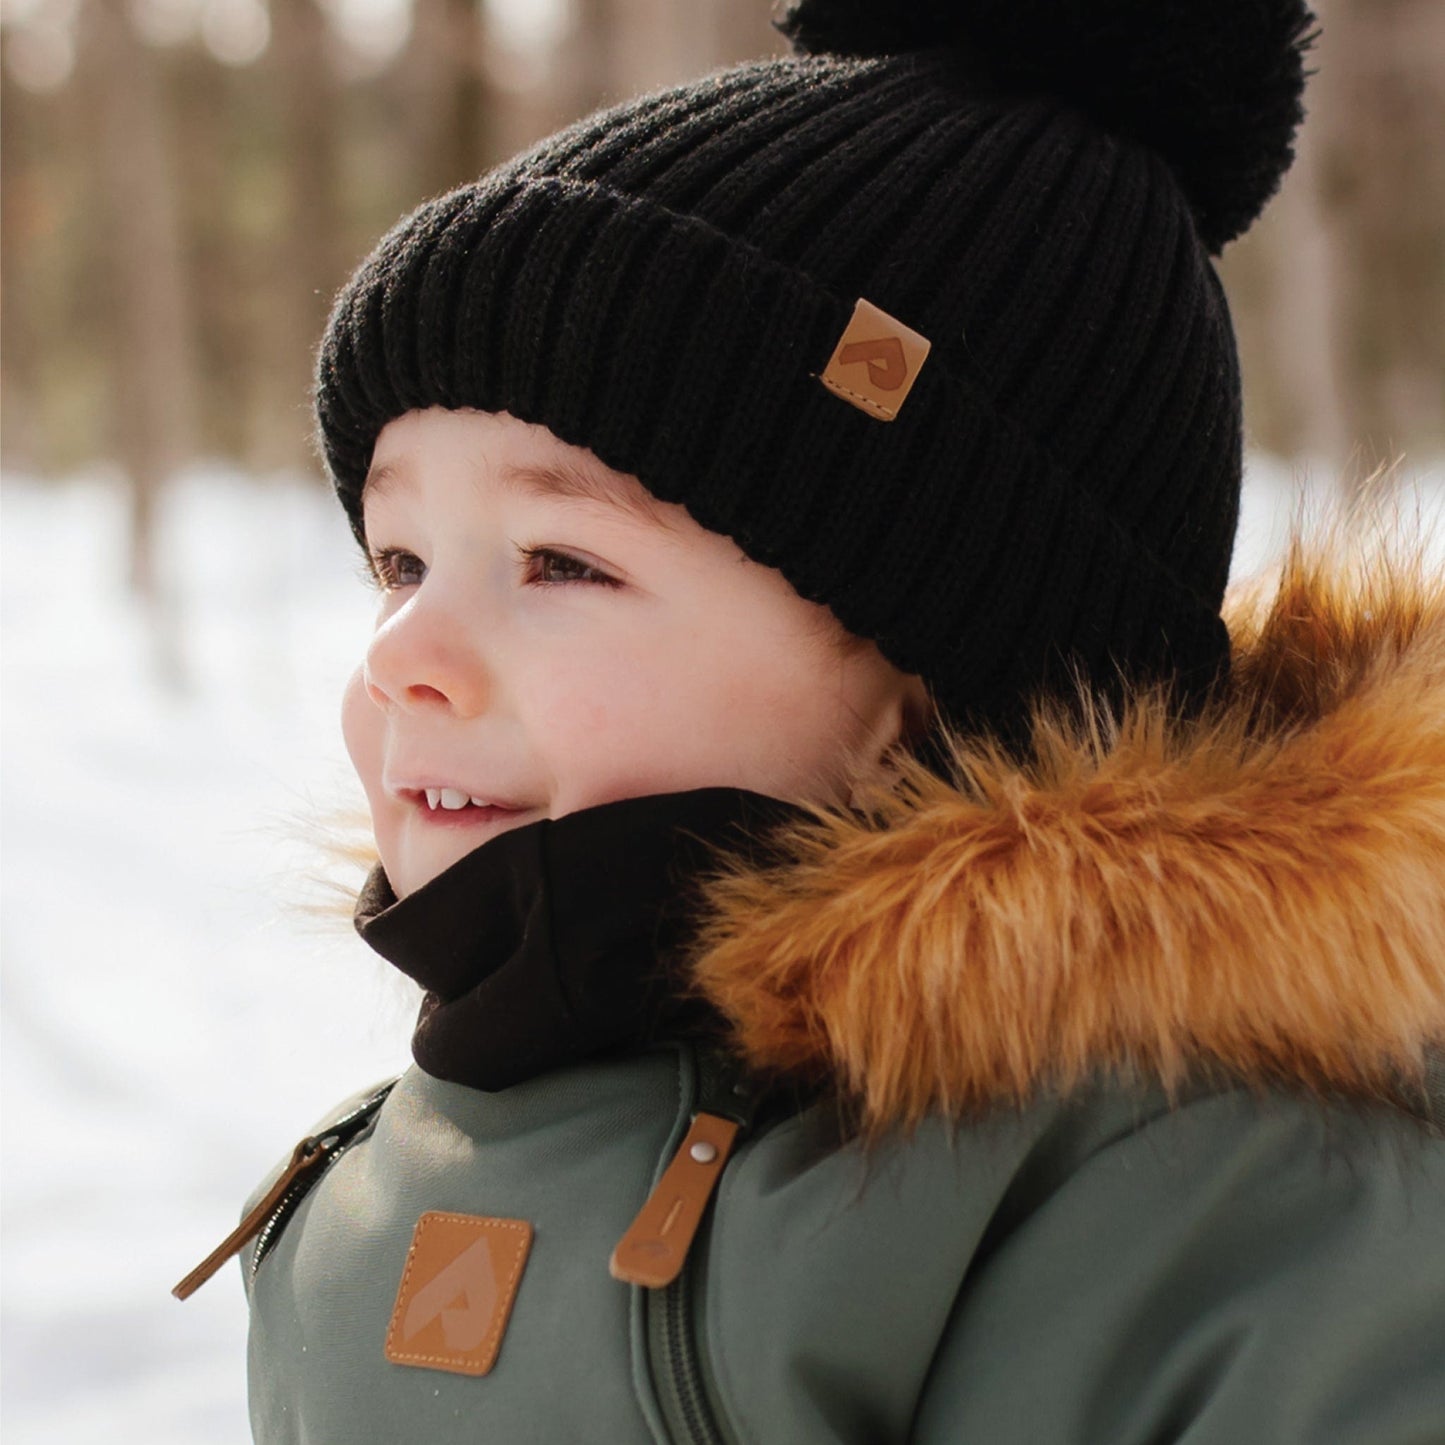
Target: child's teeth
451,799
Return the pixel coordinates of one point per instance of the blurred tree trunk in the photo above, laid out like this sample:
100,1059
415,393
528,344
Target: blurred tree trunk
614,49
617,49
586,65
19,380
1306,305
1341,286
441,81
659,42
150,351
740,32
1385,184
304,267
222,278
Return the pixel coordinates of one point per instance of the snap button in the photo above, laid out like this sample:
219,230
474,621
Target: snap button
703,1152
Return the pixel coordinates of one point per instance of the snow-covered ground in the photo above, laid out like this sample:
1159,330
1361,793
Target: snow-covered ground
172,1019
173,1016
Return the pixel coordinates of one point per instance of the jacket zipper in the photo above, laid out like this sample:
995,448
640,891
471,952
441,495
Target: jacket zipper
680,1346
671,1310
309,1160
333,1142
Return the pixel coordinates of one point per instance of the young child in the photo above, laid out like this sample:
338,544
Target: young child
895,969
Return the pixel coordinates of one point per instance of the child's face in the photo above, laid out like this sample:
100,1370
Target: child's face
648,655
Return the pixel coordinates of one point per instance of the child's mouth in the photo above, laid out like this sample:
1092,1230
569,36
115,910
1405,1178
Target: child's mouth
449,808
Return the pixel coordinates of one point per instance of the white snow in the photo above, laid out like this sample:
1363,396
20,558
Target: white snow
172,1021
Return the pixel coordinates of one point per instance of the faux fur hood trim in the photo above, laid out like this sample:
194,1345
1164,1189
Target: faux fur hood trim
1259,894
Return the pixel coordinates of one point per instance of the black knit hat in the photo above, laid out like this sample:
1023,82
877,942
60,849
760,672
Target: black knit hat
925,318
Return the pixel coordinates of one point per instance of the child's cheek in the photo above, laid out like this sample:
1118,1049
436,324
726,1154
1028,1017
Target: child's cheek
361,729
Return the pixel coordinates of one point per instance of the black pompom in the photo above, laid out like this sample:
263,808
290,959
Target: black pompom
1214,86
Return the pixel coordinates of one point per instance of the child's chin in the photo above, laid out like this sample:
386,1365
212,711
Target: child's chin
412,873
434,846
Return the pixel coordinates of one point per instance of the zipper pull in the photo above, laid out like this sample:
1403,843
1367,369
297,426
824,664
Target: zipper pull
305,1157
653,1250
655,1247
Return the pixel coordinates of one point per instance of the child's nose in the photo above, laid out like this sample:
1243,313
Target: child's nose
420,660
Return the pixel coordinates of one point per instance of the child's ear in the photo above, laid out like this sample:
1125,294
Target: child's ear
914,711
917,709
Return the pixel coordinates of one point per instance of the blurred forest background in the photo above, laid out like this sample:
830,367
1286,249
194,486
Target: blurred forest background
186,183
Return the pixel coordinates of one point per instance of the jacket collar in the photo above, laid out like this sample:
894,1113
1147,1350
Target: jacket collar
1259,894
557,940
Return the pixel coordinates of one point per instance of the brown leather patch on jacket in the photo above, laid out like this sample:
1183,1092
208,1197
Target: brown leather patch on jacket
876,361
457,1290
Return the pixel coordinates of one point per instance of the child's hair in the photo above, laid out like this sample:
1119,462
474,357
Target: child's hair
925,316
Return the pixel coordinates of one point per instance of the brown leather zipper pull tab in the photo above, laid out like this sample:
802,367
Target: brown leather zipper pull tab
307,1154
652,1251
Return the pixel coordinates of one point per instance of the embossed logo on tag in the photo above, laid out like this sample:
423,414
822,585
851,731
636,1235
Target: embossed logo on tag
876,361
457,1289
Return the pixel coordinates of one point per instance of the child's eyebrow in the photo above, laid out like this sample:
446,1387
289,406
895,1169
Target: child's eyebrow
564,480
581,484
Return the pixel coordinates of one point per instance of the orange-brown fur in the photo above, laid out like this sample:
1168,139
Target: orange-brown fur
1259,893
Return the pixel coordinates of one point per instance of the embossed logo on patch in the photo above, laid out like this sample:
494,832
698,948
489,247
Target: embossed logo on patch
457,1289
876,361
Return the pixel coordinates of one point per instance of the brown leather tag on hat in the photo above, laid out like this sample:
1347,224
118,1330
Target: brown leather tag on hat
876,361
457,1291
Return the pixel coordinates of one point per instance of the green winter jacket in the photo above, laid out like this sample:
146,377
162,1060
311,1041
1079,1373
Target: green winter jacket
1115,1122
1114,1271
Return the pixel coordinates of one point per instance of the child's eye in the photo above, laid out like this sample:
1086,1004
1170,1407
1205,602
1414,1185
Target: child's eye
553,561
391,568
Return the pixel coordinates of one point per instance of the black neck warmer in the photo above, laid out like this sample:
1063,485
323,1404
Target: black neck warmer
560,938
